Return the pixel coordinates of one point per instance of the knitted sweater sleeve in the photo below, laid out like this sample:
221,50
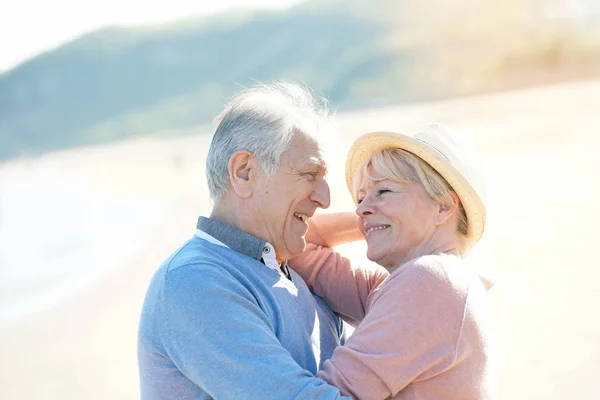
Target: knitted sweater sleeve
344,286
410,333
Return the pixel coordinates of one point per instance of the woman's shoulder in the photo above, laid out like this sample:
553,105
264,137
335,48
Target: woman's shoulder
438,283
440,264
436,270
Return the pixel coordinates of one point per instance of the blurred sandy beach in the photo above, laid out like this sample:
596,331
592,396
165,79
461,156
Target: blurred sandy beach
68,322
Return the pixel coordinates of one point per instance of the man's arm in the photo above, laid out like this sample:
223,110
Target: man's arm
220,338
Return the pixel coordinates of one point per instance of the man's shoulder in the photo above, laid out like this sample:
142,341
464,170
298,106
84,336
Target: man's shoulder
205,262
199,252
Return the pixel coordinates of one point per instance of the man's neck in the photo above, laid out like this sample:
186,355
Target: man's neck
239,214
228,212
222,213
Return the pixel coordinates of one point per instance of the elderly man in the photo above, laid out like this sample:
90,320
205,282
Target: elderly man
224,317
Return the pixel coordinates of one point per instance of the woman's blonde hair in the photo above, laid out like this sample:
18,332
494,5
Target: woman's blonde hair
404,167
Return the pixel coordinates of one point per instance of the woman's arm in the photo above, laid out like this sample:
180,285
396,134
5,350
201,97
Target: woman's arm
344,287
410,333
329,275
333,229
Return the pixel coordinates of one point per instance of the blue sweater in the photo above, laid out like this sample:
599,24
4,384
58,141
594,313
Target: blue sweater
218,323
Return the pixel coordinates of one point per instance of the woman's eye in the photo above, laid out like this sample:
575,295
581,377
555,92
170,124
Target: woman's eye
359,201
382,191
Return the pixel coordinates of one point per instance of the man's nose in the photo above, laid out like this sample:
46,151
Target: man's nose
321,194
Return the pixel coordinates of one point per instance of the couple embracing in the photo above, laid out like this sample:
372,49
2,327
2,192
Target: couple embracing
251,306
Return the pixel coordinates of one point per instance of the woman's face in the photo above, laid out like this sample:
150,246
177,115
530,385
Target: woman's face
397,219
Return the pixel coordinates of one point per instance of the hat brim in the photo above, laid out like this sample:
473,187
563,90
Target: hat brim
367,145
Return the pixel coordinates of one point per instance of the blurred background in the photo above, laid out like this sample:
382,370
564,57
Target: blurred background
105,121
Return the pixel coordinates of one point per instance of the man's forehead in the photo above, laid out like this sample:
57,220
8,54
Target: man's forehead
306,151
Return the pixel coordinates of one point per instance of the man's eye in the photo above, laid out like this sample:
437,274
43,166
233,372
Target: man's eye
382,191
311,175
359,201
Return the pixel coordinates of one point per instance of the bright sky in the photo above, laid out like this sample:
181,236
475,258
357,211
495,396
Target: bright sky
28,27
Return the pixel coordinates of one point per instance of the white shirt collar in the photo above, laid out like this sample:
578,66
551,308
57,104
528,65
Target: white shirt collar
269,257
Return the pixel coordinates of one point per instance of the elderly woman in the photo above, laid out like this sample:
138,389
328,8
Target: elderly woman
423,321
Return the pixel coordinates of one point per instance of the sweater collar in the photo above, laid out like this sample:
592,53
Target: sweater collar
233,238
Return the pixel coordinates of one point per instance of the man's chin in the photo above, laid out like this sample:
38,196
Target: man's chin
297,248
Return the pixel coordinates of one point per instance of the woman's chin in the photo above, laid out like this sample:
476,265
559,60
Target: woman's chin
374,256
386,260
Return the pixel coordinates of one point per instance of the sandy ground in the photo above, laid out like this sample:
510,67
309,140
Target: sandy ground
543,173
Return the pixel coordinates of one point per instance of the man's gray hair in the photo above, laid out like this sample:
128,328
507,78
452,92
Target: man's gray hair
261,120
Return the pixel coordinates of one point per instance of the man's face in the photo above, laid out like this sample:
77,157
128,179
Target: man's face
288,198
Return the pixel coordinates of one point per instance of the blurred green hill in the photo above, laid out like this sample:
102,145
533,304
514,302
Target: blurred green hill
116,83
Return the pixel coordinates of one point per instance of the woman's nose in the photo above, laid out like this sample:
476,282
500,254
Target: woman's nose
364,208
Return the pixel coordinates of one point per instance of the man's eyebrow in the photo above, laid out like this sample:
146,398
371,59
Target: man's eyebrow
319,162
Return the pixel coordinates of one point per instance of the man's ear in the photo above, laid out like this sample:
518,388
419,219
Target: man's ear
446,211
242,171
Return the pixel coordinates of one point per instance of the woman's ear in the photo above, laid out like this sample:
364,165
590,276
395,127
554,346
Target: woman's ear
242,168
445,211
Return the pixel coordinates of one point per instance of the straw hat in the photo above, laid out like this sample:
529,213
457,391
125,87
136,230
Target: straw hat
433,143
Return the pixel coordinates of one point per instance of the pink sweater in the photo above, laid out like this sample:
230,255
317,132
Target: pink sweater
424,330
